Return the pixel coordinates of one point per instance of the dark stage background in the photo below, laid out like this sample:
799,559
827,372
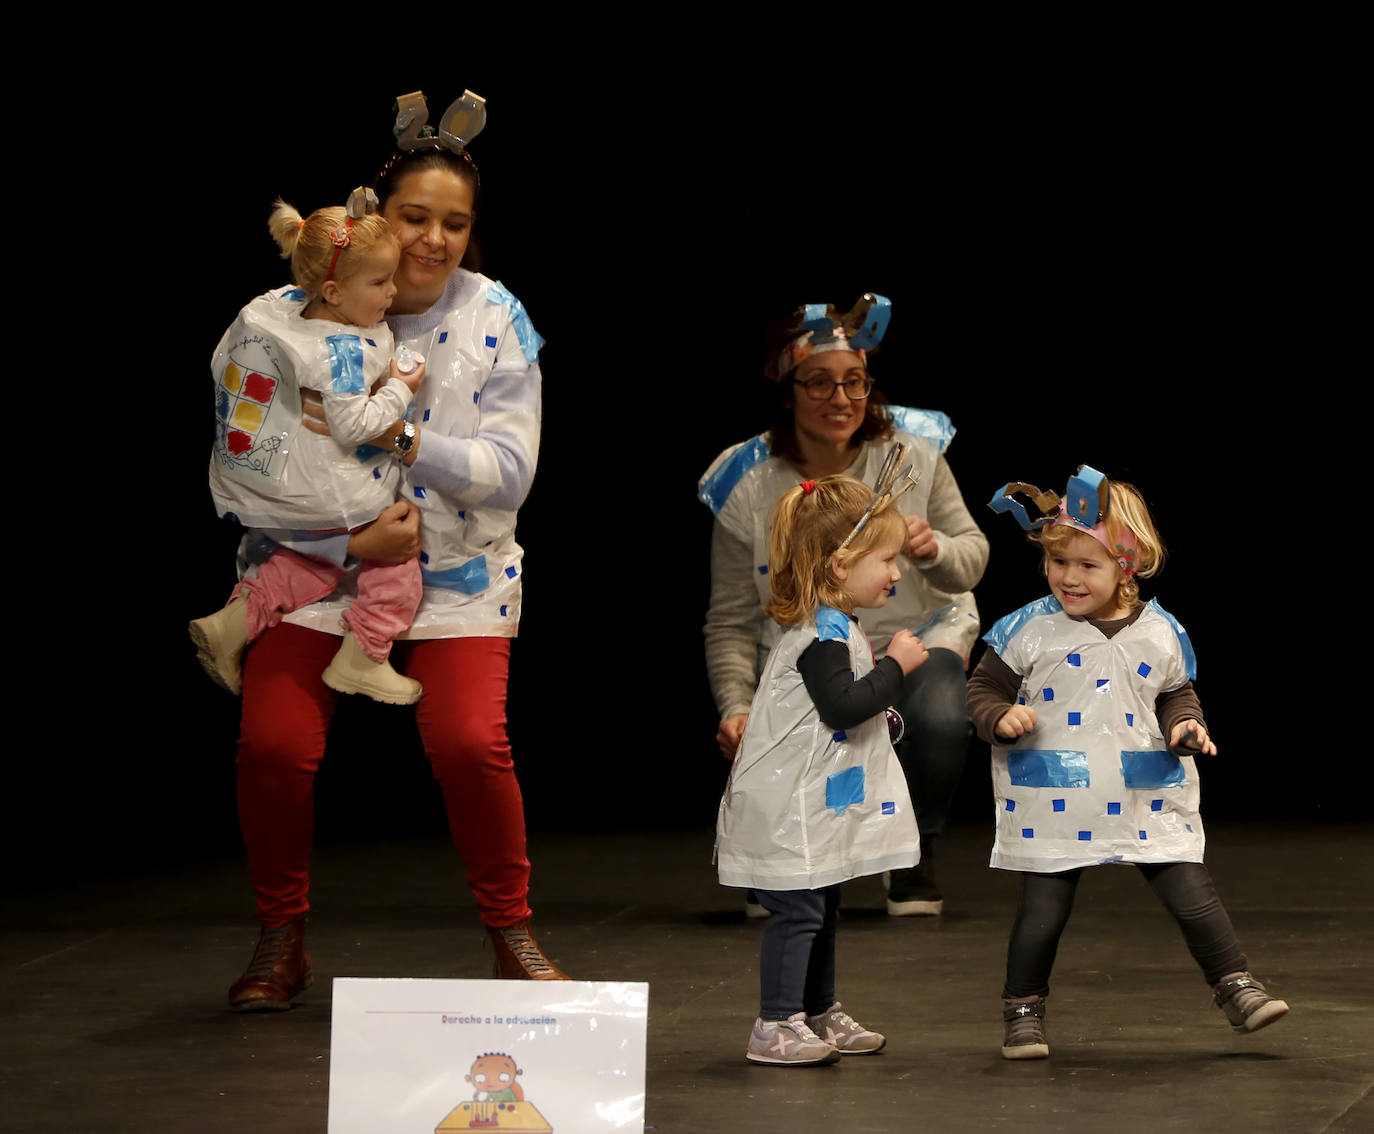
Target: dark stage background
1111,266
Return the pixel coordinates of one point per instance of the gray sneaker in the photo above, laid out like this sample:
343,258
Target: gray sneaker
1246,1003
788,1043
838,1028
1024,1034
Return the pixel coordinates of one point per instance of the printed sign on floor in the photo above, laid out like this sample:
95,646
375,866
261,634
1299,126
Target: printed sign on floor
497,1056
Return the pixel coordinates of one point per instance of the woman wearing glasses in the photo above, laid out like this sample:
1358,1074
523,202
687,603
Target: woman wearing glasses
829,418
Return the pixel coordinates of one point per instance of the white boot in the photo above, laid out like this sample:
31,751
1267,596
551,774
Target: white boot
352,671
220,639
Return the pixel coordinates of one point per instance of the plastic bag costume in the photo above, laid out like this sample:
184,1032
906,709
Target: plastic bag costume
807,806
744,482
266,468
478,411
1094,782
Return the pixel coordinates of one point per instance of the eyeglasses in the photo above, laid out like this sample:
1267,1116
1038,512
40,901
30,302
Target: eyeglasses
823,389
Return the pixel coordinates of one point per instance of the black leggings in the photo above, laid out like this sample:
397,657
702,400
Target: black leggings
1185,888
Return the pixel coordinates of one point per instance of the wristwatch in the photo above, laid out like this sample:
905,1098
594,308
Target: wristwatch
404,441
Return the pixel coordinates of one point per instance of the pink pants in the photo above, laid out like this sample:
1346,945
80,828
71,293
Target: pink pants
462,722
388,597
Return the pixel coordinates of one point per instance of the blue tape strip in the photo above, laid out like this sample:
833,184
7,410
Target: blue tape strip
932,425
1048,767
1005,628
1189,658
831,625
1152,769
346,363
365,453
294,294
715,490
468,578
843,789
530,339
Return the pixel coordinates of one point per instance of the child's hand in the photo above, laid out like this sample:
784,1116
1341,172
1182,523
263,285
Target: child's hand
413,379
1191,734
920,538
1016,721
906,650
729,734
312,413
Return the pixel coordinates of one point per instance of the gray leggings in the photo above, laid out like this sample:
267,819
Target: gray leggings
797,957
1185,888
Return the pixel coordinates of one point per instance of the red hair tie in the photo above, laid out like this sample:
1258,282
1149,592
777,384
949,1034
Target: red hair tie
808,487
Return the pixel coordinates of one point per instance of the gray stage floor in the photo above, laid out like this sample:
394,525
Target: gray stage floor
114,1019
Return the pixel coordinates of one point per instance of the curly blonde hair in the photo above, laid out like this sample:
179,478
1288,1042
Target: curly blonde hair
1125,509
309,242
804,545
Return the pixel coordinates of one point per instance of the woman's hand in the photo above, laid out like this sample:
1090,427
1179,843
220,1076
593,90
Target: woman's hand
920,538
393,537
729,734
1191,734
312,413
1016,722
907,651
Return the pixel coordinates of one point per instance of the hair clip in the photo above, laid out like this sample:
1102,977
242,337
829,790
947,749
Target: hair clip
886,490
461,122
361,202
808,487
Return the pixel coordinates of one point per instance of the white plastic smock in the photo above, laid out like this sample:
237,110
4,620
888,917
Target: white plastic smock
809,806
266,469
744,482
478,413
1094,782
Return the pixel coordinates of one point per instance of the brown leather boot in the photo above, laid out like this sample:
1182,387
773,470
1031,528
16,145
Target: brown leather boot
279,971
518,956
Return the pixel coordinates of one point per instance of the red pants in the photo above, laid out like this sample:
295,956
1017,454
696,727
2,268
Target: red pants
462,722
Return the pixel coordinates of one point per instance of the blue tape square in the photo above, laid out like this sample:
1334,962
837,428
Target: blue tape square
1074,659
844,789
1113,809
1048,693
1011,805
1130,720
1028,832
1143,669
426,417
370,343
1189,826
1101,681
889,807
424,557
763,568
840,737
443,336
1075,718
1085,836
1020,700
503,610
419,492
1156,805
510,572
462,515
1142,835
1058,804
376,474
491,340
474,397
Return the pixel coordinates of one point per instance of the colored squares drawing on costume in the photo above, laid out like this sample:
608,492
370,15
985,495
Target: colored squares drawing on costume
242,403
